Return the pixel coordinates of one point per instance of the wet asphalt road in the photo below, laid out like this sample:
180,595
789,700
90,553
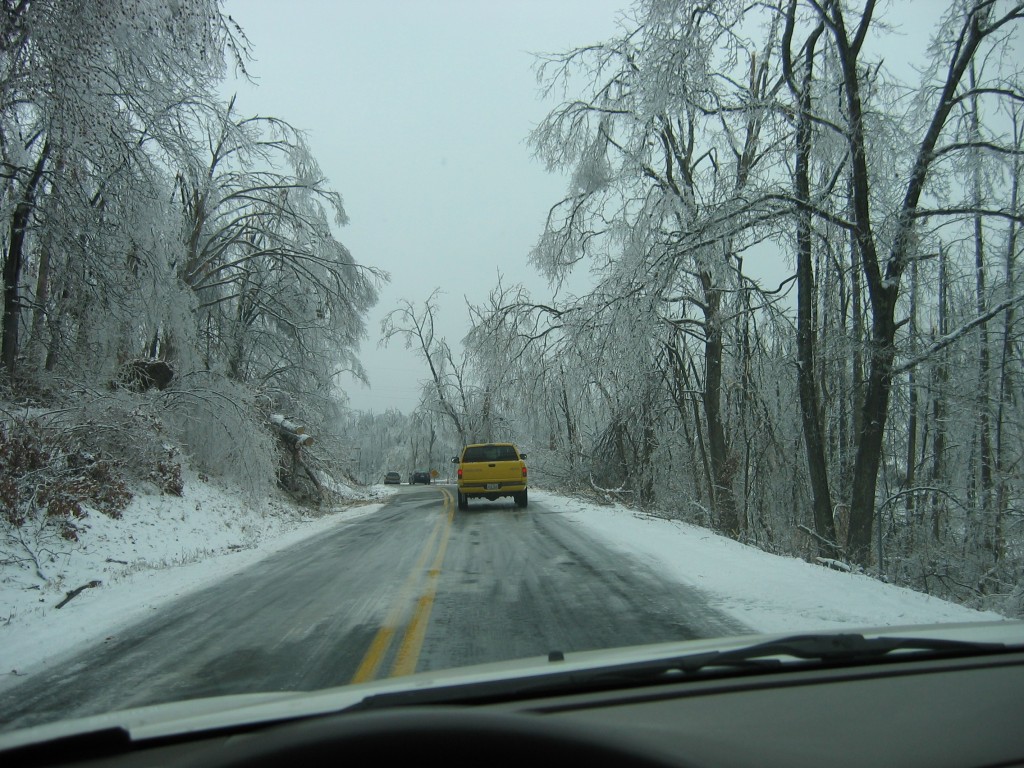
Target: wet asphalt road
416,586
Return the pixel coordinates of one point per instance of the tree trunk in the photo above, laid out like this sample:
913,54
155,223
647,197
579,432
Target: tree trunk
810,407
856,364
984,484
42,297
723,498
874,412
680,389
571,437
939,380
15,261
1007,386
912,402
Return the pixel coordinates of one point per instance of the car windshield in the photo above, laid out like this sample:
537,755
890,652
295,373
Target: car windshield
742,281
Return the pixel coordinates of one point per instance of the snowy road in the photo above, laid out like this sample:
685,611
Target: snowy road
417,586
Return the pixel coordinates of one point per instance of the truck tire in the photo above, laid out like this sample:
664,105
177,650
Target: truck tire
521,499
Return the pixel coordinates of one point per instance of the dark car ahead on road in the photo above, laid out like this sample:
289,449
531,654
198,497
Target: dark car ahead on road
420,477
392,478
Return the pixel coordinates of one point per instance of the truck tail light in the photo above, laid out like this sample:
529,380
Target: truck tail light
460,473
524,473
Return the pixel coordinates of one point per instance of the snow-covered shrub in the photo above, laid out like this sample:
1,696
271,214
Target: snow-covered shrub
124,427
167,474
221,430
48,482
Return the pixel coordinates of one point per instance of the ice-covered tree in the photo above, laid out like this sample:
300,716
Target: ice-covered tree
92,97
280,300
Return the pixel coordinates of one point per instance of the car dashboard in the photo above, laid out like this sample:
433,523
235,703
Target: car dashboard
963,711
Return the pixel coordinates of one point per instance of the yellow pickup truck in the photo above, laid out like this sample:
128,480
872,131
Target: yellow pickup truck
490,471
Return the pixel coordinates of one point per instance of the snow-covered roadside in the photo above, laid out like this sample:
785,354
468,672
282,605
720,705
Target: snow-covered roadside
175,545
766,592
162,547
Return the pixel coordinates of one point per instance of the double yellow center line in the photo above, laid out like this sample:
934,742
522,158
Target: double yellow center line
416,628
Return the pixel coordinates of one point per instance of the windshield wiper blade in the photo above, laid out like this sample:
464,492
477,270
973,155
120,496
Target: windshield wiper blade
828,648
825,649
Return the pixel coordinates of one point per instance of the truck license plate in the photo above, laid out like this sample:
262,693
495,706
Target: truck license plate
492,486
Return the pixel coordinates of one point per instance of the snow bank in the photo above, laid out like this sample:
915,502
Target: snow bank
766,592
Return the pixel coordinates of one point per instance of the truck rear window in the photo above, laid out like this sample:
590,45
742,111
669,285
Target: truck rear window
490,453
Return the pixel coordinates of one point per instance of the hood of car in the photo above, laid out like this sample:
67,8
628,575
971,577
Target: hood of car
226,712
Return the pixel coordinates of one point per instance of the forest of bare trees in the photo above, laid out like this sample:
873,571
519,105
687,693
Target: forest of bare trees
802,326
148,219
170,264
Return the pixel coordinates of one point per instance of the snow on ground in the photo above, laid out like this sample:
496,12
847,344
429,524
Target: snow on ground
169,546
161,548
766,592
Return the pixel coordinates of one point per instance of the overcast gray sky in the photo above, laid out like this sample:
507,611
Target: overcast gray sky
418,111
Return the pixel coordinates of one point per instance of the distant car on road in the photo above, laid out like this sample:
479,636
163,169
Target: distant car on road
392,478
420,477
